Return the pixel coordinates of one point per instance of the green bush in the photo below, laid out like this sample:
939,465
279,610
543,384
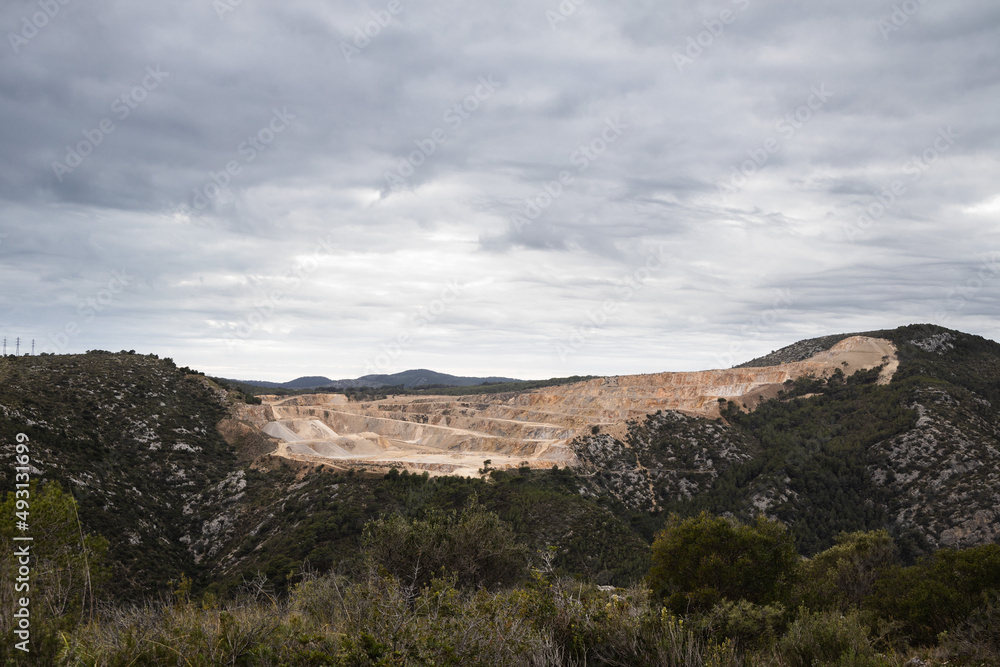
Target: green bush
939,592
845,574
473,545
67,570
749,626
818,639
700,561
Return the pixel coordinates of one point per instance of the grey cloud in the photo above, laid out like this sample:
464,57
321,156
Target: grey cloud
384,252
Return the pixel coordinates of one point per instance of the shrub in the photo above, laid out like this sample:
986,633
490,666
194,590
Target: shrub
749,626
938,592
241,633
977,639
845,574
474,545
67,568
816,639
700,561
380,621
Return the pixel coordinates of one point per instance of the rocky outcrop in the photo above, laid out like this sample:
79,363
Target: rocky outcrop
944,474
669,457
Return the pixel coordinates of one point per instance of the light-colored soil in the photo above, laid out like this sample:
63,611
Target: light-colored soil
449,435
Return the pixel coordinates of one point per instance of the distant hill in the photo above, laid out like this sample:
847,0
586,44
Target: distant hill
414,379
305,382
411,379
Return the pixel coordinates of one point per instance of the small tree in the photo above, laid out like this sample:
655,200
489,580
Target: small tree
844,575
67,566
474,545
938,592
699,561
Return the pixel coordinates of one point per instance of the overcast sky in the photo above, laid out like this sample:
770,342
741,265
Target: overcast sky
527,188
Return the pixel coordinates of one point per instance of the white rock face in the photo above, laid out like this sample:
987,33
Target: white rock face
455,435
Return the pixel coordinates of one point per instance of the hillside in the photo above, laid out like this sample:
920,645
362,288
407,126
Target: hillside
173,472
920,456
420,377
131,437
182,476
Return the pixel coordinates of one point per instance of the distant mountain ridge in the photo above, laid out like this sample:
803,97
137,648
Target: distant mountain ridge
411,379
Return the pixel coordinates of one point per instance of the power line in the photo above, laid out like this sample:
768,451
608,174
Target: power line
17,346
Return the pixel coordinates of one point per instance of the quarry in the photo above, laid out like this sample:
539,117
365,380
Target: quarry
457,435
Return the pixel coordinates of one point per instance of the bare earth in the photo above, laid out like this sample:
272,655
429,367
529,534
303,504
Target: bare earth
454,435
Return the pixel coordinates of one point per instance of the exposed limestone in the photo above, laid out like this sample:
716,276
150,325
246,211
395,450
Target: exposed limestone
669,457
981,528
939,343
455,435
941,476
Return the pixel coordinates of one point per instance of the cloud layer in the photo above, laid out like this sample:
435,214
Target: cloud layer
270,190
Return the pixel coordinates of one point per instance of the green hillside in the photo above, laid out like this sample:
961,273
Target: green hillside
135,440
890,491
919,457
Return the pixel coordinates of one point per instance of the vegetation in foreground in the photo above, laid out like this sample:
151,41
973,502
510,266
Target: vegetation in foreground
457,588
